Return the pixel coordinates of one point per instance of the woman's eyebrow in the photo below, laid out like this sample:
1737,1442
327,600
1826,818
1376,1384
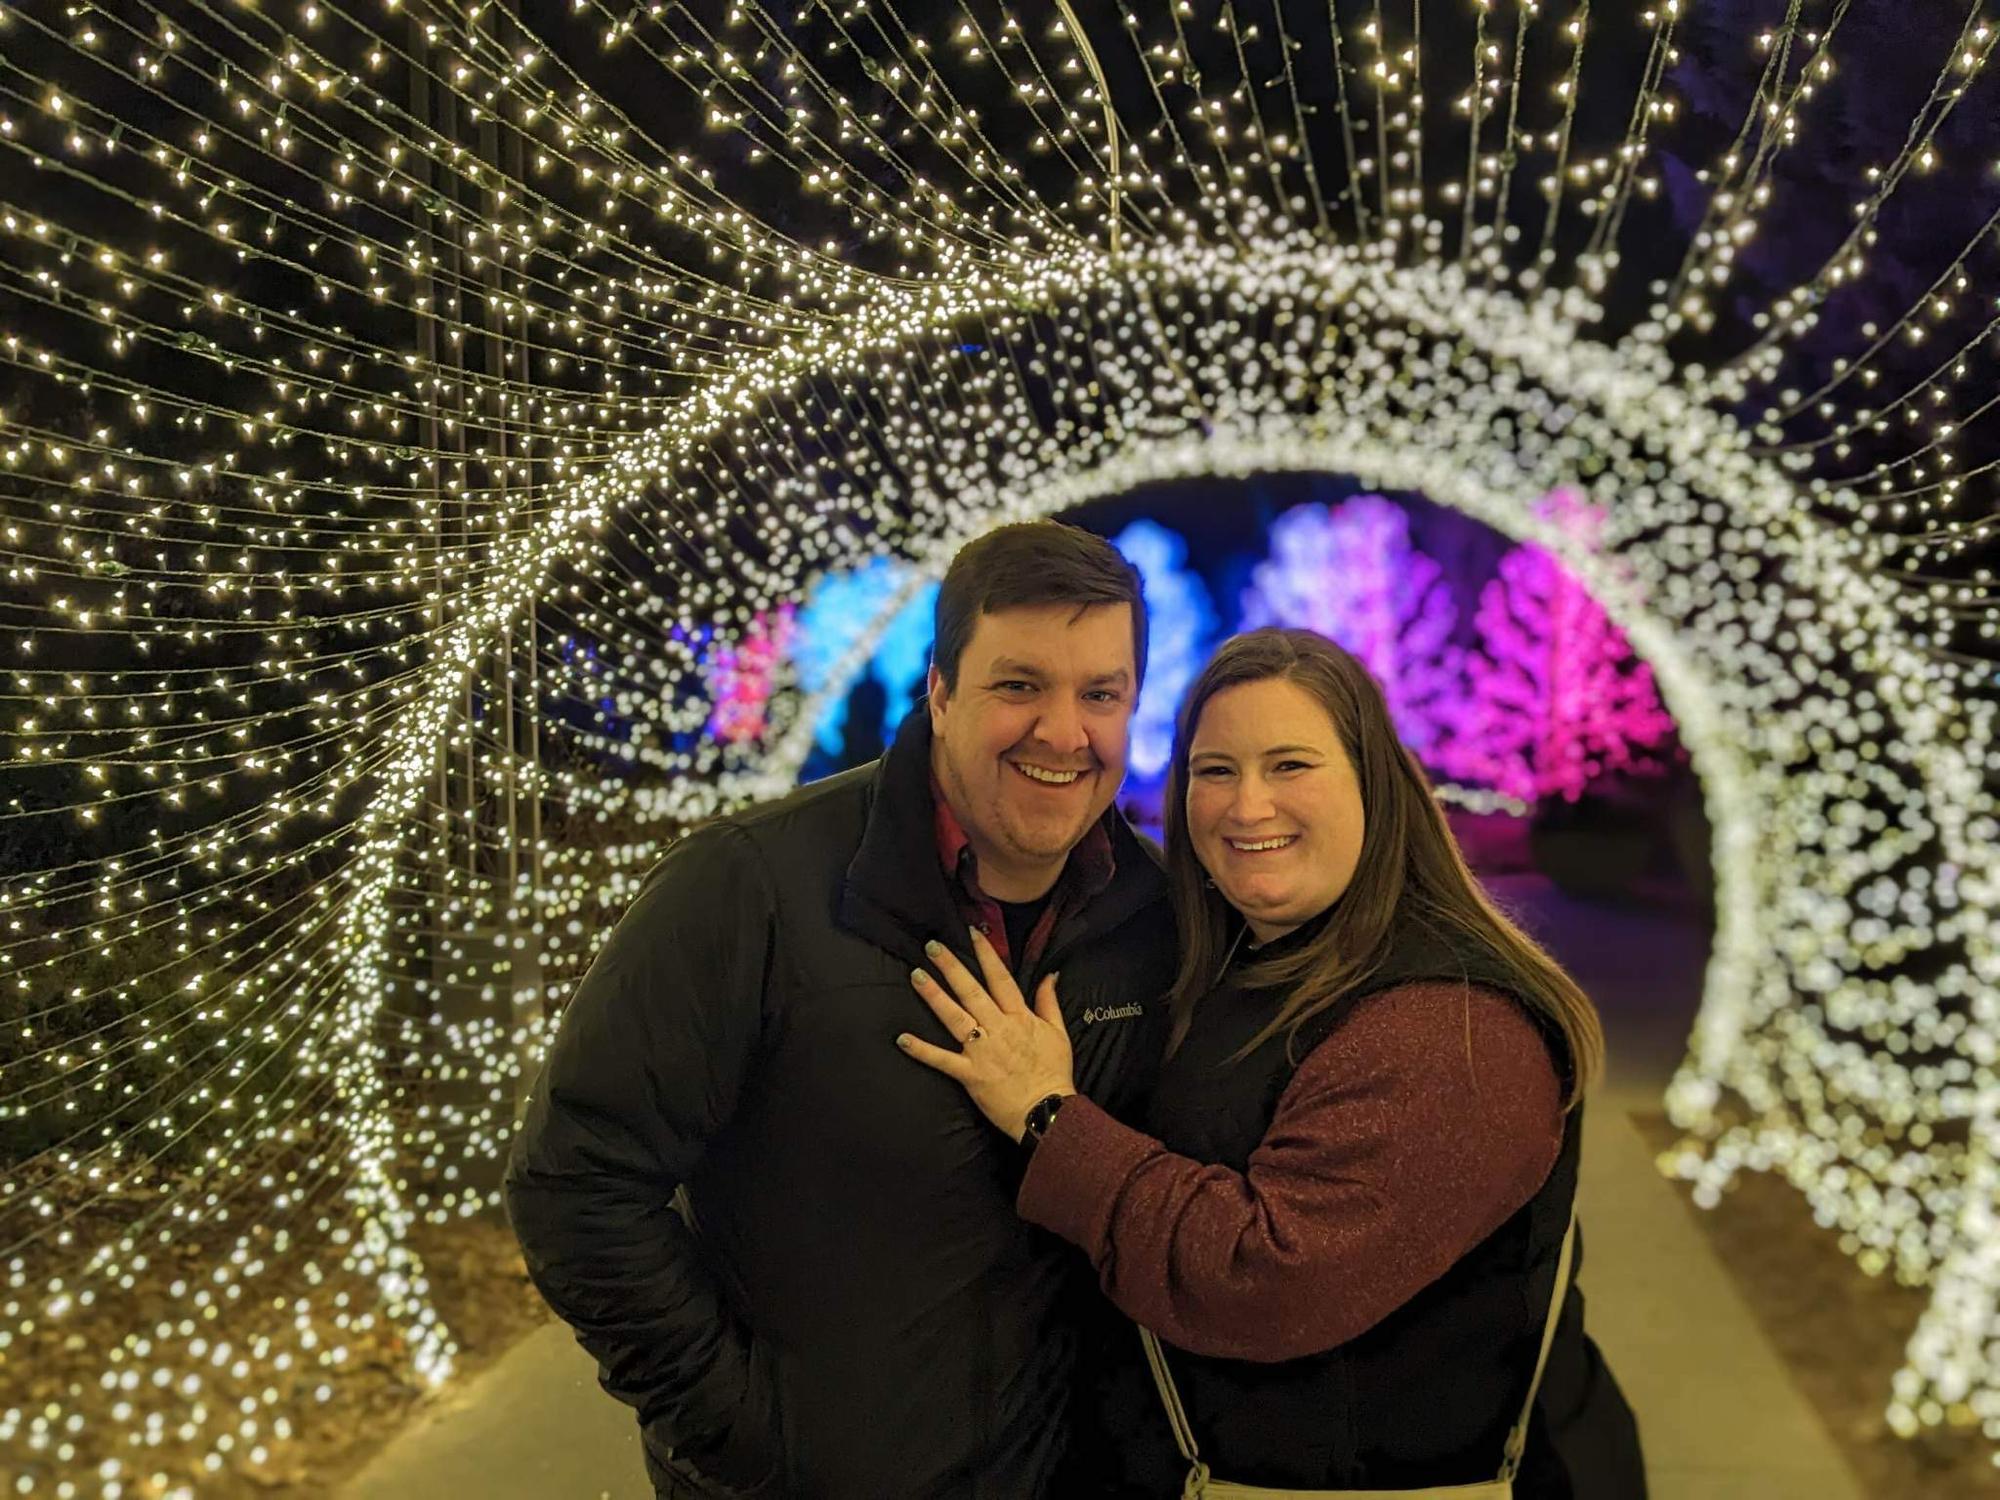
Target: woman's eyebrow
1195,755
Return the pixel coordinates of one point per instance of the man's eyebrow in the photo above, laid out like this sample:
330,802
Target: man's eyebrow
1006,667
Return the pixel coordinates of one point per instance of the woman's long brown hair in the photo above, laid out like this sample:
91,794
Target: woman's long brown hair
1410,866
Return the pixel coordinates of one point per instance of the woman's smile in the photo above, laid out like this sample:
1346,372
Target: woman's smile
1263,846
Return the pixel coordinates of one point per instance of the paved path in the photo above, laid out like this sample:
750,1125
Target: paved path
1720,1418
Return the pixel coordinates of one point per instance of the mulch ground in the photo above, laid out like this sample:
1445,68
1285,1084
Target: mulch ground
1840,1332
317,1418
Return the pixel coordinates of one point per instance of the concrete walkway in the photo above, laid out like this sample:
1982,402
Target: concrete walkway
533,1427
1719,1417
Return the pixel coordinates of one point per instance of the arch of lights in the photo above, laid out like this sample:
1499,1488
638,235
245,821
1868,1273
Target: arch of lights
432,552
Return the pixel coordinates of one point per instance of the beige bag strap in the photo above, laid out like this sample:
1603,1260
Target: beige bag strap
1517,1440
1170,1397
1517,1437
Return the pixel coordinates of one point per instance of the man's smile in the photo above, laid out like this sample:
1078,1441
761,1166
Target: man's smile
1046,776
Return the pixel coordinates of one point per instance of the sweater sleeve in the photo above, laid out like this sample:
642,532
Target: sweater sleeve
1403,1140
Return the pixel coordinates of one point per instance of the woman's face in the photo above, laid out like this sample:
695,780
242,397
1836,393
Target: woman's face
1273,804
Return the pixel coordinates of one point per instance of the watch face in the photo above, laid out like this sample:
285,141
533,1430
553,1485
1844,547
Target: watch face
1043,1115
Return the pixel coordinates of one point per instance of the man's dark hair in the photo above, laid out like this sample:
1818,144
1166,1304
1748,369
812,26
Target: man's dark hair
1029,563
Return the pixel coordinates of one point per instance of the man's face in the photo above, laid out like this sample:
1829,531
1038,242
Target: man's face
1030,746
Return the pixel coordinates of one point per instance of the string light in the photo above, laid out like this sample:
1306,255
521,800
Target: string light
407,410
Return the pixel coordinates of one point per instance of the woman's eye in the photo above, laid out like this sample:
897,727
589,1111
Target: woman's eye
1209,773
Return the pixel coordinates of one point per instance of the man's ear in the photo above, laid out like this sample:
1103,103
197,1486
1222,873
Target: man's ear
935,689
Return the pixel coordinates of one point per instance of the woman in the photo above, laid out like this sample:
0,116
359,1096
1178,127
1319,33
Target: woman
1349,1225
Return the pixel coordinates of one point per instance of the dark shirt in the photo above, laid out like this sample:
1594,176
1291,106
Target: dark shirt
1019,919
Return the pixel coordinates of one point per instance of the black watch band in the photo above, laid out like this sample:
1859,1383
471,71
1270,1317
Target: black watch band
1041,1115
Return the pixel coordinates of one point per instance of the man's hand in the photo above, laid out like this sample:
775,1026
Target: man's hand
1011,1057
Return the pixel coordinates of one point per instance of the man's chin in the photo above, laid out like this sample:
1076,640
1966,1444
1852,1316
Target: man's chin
1041,841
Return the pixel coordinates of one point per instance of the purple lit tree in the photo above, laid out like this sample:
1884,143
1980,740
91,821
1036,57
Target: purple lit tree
1557,698
1351,574
742,674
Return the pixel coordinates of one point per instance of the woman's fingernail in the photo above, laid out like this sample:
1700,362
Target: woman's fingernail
918,976
903,1041
933,947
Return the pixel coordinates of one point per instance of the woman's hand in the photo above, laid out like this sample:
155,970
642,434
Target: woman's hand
1011,1057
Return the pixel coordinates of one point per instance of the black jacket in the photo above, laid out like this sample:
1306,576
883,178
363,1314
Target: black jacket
848,1305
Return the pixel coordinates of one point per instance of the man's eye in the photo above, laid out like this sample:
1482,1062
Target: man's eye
1014,685
1107,695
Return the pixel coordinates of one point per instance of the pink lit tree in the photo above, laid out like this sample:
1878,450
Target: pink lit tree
742,674
1557,698
1351,574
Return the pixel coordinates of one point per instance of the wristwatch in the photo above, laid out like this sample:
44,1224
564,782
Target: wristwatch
1041,1116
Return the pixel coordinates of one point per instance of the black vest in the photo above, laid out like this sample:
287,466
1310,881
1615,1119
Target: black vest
1426,1397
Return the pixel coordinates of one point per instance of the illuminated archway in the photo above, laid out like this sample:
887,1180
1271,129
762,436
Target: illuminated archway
1680,490
632,398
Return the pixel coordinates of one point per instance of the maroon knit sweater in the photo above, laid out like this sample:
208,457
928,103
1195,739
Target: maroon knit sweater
1408,1136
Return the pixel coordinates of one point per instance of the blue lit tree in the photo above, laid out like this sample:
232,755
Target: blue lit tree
903,656
1180,629
839,608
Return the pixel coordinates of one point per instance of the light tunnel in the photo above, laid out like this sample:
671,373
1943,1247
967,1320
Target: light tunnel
399,411
1475,397
1491,409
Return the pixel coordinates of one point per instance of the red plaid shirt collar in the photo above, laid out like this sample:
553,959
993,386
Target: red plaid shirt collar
1085,875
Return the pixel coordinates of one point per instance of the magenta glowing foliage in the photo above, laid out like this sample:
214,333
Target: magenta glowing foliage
1351,574
1555,696
742,674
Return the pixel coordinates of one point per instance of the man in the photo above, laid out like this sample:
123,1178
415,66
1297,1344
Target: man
846,1305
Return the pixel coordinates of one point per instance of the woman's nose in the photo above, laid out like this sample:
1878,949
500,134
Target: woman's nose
1252,803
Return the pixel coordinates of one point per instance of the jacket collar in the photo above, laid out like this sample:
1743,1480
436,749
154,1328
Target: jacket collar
1087,872
895,892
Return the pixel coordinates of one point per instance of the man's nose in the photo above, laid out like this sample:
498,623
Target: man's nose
1061,728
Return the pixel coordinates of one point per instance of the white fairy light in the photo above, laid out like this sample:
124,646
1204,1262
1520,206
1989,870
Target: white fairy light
387,427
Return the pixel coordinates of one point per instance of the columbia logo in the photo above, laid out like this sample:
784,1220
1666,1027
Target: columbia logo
1112,1013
